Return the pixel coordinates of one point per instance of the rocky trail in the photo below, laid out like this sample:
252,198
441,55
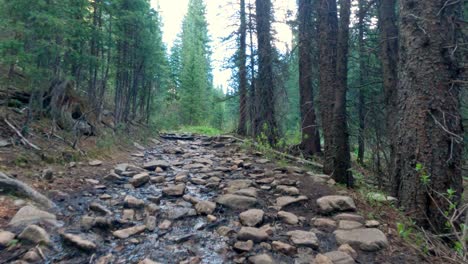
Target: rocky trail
199,200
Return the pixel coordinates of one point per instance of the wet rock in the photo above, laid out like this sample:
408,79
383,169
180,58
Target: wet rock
164,225
372,224
5,238
235,185
367,239
261,259
288,218
349,217
174,190
326,223
140,179
284,201
132,202
346,248
244,246
339,257
284,248
95,163
105,197
31,215
152,165
205,207
237,201
252,233
251,192
346,224
252,217
335,203
150,223
127,232
79,242
158,179
288,190
32,256
179,213
322,259
35,234
148,261
128,214
99,208
112,177
303,238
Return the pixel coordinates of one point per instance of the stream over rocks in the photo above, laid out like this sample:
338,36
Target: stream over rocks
201,200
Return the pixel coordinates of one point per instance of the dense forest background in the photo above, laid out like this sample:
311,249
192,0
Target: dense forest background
373,86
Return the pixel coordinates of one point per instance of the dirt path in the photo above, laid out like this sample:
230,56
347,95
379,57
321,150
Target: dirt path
202,201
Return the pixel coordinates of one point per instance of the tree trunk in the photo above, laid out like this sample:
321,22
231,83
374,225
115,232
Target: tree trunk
252,97
389,58
266,122
341,155
328,29
362,79
306,69
430,133
243,111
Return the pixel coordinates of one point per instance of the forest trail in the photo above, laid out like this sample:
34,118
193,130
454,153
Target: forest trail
200,200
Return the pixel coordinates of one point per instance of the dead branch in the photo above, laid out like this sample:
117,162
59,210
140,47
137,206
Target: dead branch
23,139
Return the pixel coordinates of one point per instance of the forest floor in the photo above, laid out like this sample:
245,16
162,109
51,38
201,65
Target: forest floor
193,200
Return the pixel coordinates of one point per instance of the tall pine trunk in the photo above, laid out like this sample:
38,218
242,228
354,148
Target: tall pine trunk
429,130
309,144
389,58
362,78
341,155
266,122
328,29
243,111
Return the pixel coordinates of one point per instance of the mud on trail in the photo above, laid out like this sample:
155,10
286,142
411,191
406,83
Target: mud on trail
199,200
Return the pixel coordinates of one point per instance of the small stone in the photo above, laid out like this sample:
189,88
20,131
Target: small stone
339,257
5,238
152,208
120,168
346,248
150,223
335,203
261,259
367,239
140,179
158,179
326,223
174,190
265,245
211,218
92,181
79,242
95,163
128,214
284,248
30,215
105,197
112,177
166,224
132,202
251,233
31,256
251,217
48,174
237,201
225,231
372,224
152,165
244,246
251,192
322,259
346,224
303,238
284,201
127,232
288,218
35,234
148,261
349,217
205,207
288,190
99,208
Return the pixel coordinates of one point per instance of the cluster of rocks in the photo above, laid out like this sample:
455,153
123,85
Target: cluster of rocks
233,198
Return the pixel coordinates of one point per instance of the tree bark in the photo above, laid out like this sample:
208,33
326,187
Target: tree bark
266,122
243,111
430,132
341,155
389,59
362,78
328,29
306,69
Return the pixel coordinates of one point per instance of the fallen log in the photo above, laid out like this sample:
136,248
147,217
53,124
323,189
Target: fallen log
18,187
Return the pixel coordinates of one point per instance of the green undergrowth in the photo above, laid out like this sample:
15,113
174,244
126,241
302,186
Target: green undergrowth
201,130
